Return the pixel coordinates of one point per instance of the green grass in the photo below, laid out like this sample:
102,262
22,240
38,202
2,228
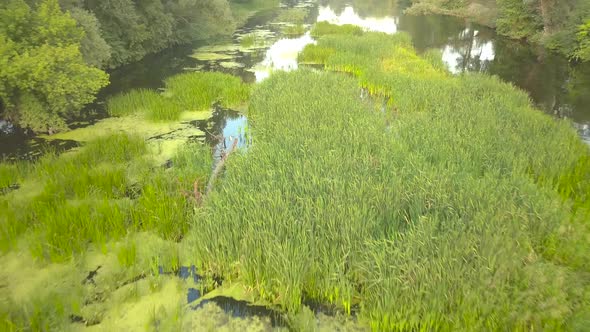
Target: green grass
457,207
248,40
324,28
101,192
314,54
294,30
192,92
197,91
11,173
150,103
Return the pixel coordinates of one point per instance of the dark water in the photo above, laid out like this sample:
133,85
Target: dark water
555,85
242,309
231,306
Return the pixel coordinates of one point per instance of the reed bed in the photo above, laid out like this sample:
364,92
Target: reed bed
457,206
102,192
143,101
324,28
294,30
184,92
249,40
197,91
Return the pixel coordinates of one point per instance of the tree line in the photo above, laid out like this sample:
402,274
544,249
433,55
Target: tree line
54,53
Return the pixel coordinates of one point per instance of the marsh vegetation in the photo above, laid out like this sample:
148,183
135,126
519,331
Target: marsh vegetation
376,191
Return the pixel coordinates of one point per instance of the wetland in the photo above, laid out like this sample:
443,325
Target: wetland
330,165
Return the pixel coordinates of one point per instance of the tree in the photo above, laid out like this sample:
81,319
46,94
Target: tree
94,48
518,19
44,77
583,50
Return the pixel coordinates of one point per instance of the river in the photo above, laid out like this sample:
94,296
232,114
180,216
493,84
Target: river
555,86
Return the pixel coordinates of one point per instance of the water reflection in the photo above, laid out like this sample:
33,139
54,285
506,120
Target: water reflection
556,86
282,55
468,53
349,16
224,128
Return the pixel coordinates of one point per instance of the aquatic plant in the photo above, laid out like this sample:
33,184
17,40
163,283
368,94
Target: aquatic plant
443,209
294,30
324,28
101,192
198,91
248,40
148,102
432,202
314,54
184,92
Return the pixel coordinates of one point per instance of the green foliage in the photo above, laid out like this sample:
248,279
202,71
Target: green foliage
44,78
12,173
314,54
583,50
94,48
248,40
34,116
554,24
434,57
197,91
101,192
447,209
294,30
518,19
325,28
184,92
148,102
153,25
